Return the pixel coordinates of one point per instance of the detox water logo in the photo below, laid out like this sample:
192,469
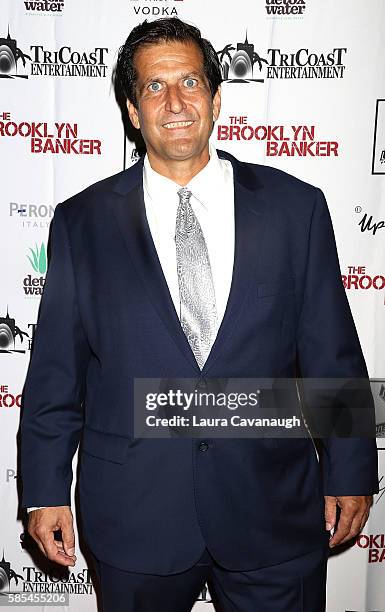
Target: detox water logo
44,7
285,8
38,259
33,283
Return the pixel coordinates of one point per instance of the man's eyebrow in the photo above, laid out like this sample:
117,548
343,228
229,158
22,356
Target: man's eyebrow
182,75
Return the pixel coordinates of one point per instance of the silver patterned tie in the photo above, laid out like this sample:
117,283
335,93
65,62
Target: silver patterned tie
198,312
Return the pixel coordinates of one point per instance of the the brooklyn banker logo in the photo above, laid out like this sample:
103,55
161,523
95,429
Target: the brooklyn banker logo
45,138
242,63
359,278
29,586
374,544
9,398
40,61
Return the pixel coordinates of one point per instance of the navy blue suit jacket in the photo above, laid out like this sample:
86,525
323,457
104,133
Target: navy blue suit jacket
107,316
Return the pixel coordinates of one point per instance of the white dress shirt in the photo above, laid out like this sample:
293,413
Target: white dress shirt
212,201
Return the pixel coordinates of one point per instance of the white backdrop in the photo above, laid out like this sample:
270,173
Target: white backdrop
311,71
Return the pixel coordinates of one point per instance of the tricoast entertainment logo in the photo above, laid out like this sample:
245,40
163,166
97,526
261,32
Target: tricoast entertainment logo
39,61
13,338
27,585
242,63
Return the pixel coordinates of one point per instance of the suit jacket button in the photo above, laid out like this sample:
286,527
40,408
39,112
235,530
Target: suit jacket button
203,446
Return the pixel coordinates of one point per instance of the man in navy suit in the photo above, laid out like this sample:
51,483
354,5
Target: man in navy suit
123,300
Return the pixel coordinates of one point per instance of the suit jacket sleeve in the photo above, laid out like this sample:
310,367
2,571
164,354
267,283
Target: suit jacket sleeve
328,347
52,415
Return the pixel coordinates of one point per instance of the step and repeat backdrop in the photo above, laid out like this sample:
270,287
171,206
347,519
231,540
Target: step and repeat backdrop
304,91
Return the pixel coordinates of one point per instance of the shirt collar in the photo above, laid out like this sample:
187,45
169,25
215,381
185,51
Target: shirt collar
201,185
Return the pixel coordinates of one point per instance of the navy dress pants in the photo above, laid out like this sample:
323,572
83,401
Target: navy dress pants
298,585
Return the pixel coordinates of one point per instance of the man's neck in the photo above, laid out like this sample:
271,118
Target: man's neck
179,171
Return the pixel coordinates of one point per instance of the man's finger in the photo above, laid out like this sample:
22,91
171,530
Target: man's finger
47,539
50,549
354,530
353,511
343,528
40,545
68,537
330,512
364,519
60,548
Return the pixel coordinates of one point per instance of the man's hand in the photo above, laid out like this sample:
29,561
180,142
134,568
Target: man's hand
42,525
353,516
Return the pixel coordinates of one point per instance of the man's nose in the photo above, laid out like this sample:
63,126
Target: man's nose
174,99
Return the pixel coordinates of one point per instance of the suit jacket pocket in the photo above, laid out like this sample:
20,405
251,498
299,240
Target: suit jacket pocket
109,447
276,287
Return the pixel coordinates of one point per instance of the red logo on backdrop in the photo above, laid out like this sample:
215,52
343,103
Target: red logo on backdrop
279,140
374,544
59,138
358,278
8,399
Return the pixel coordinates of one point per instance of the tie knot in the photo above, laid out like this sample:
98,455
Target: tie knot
184,194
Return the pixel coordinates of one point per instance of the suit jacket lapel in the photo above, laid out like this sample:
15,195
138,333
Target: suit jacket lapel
129,210
250,219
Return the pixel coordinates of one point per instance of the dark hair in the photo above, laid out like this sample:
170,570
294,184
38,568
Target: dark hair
163,30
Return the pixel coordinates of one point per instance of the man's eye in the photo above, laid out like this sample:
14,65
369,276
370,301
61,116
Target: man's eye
155,86
190,82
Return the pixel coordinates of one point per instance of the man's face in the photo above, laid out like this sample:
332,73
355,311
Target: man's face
175,109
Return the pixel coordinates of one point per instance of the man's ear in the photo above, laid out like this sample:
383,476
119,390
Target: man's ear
217,104
133,114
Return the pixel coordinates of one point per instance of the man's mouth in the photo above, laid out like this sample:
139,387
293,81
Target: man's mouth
177,124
